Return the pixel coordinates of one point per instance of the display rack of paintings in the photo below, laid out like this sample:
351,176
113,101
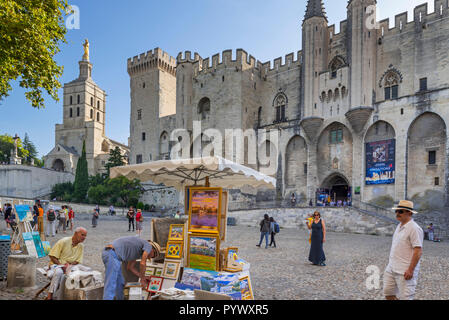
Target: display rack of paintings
204,209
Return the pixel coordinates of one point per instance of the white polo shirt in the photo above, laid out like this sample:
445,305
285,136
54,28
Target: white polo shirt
405,239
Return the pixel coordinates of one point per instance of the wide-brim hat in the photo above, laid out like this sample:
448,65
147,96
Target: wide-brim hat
157,248
405,205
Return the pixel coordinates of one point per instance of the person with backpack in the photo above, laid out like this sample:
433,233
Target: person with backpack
130,216
51,222
95,216
264,230
274,228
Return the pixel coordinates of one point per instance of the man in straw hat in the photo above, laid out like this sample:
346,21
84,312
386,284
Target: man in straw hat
401,274
126,249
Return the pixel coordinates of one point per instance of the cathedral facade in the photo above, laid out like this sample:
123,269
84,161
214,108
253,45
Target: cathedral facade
361,114
84,116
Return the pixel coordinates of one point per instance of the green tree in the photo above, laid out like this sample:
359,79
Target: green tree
7,145
62,191
31,32
81,184
127,190
116,159
99,194
31,148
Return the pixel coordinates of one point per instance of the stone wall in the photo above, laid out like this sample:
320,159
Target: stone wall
347,220
30,182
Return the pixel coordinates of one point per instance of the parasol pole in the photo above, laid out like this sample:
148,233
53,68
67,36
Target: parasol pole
207,185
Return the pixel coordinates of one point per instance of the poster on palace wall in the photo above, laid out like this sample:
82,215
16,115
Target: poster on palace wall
380,162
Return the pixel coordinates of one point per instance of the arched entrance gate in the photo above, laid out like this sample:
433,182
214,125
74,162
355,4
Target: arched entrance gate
335,190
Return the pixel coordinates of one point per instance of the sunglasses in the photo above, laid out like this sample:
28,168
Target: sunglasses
400,211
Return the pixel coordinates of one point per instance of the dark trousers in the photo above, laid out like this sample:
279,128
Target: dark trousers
130,222
272,239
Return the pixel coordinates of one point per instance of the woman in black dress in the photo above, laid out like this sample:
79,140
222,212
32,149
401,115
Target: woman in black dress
316,255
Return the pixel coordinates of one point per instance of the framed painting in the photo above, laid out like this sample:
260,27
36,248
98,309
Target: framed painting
203,251
230,263
171,269
176,232
158,272
246,289
174,250
150,271
204,210
155,284
223,215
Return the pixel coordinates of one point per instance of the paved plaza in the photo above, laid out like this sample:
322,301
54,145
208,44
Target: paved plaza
283,273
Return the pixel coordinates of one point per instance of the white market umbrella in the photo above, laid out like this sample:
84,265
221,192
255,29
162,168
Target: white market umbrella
180,173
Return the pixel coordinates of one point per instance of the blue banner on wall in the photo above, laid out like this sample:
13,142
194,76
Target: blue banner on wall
380,162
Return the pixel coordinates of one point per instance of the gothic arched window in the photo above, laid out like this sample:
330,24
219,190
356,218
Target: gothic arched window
280,103
390,81
391,86
204,107
336,63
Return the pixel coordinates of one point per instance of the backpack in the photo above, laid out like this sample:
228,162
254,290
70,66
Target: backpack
51,216
276,227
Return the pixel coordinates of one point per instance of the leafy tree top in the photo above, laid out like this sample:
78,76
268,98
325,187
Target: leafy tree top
31,32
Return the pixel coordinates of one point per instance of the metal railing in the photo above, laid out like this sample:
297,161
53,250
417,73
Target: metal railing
375,210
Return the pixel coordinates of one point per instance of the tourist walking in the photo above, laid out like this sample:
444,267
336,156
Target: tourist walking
35,216
111,210
130,216
51,222
431,232
62,217
293,200
40,221
264,230
318,238
139,222
401,274
274,228
71,218
8,211
95,217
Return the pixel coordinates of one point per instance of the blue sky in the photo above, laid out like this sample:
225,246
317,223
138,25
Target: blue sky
118,30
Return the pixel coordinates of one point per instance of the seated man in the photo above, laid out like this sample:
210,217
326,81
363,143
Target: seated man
65,253
126,249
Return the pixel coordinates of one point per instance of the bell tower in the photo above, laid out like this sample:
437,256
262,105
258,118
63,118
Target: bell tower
315,44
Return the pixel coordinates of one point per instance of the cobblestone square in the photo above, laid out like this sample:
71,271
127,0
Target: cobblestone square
284,273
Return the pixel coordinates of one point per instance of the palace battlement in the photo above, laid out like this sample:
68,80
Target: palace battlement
242,61
421,19
188,57
289,62
342,33
152,59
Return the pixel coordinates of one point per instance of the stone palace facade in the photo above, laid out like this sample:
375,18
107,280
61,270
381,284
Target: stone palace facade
361,114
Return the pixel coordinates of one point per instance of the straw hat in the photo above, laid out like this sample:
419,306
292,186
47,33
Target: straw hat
156,248
406,205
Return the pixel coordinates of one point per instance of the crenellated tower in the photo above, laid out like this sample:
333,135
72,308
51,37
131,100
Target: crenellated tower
315,44
362,49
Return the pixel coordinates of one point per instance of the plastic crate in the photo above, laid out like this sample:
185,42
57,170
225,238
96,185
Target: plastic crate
5,251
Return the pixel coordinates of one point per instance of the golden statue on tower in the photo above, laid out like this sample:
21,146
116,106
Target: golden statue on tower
86,50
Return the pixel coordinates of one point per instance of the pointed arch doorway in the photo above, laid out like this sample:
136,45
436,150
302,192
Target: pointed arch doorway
337,187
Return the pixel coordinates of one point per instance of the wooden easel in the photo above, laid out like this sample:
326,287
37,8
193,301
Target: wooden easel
17,238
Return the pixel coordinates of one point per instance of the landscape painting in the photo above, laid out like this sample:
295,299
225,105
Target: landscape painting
203,252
